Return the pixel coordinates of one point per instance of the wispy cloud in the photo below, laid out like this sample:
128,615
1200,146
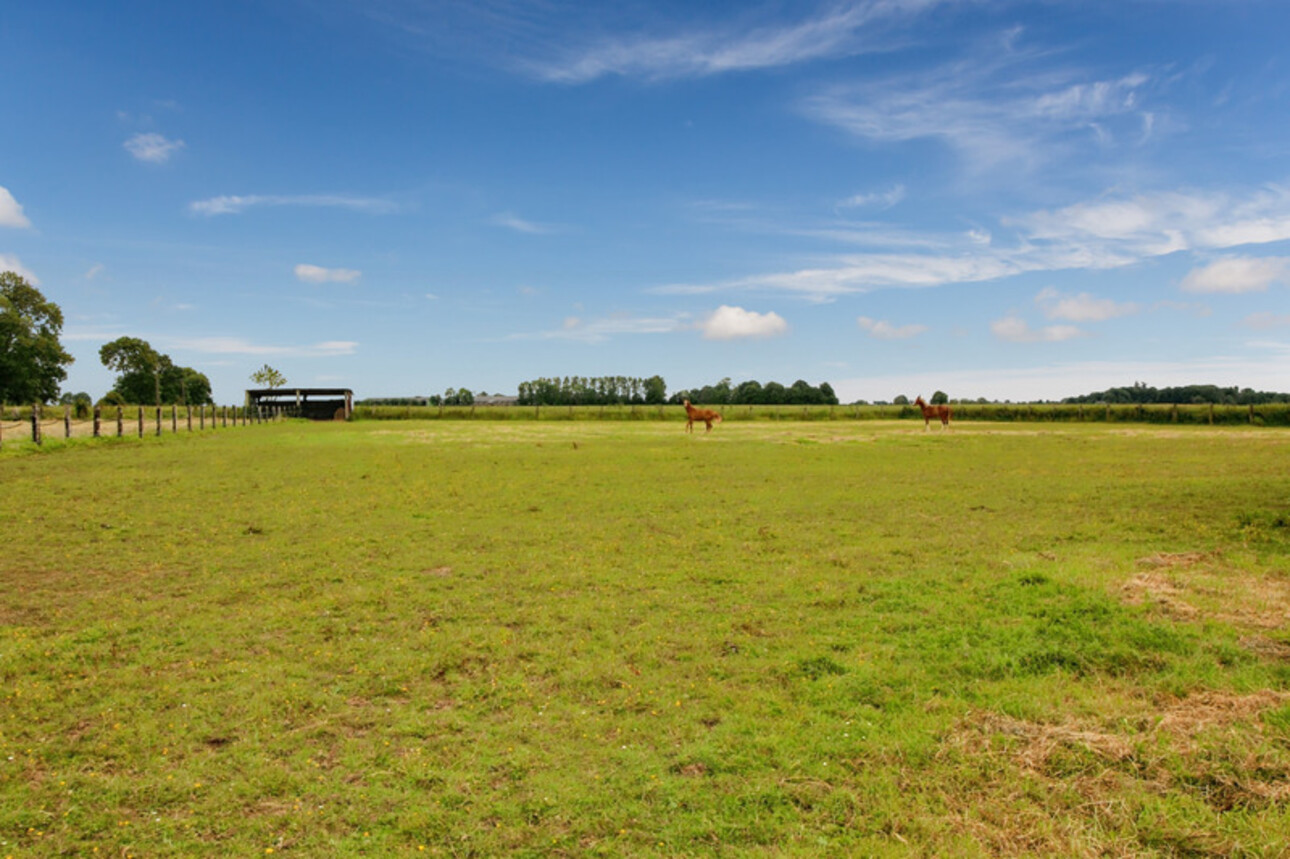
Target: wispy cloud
848,29
239,346
884,330
1106,233
317,274
603,329
236,204
1082,307
1014,329
735,323
1265,319
521,225
996,111
881,199
94,271
9,262
11,211
152,147
1238,274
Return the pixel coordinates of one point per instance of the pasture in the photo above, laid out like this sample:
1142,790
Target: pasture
542,638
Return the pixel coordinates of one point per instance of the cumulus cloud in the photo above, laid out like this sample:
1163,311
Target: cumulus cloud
11,211
1238,274
1014,329
317,274
236,204
1082,307
732,323
152,147
9,262
884,330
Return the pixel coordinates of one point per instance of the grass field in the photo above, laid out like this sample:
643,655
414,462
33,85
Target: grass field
581,638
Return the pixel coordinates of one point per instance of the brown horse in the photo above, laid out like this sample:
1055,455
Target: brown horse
929,412
705,415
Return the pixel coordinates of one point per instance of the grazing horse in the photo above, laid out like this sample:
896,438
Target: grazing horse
929,412
705,415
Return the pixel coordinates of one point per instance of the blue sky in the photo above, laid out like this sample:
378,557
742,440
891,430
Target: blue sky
1011,200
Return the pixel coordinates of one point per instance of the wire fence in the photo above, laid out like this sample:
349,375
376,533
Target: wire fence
33,425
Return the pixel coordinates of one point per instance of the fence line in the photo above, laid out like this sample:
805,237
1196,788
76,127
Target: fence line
37,428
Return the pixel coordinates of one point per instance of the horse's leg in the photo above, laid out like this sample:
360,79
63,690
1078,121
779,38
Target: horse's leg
708,421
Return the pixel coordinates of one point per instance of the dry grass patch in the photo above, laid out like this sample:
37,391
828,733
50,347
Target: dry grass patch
1078,783
1200,585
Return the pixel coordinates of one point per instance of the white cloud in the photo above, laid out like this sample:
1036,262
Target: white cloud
601,330
995,111
94,271
11,211
854,28
317,274
1266,319
1103,234
730,323
235,204
1014,329
152,147
884,330
9,262
1238,274
520,225
882,199
239,346
1082,307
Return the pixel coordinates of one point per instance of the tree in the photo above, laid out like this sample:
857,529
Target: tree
655,390
267,377
901,400
940,398
144,375
32,360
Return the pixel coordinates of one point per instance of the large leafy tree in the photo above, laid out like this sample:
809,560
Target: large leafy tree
32,360
147,376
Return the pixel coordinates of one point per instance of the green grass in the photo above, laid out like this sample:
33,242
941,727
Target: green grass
824,638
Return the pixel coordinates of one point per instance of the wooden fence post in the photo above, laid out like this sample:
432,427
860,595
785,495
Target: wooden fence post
140,421
98,420
35,424
158,420
174,418
67,422
120,422
188,411
201,415
225,416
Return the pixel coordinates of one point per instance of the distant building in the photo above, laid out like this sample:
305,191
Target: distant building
316,404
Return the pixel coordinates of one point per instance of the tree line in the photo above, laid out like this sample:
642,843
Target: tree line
1143,394
593,391
754,393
